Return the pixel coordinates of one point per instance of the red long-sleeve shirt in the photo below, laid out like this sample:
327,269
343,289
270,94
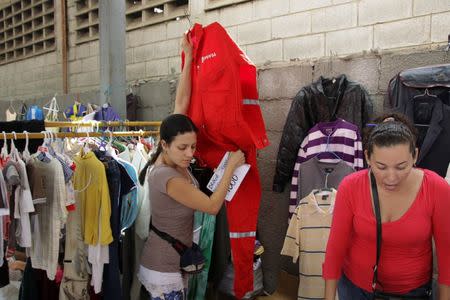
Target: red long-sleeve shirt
406,252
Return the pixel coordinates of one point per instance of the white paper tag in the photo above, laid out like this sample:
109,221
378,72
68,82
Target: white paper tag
236,179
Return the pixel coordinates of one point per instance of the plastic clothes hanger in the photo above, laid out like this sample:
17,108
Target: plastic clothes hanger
26,152
4,151
14,153
327,150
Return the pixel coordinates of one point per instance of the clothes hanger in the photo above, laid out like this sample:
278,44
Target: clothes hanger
14,153
426,94
4,151
328,150
26,153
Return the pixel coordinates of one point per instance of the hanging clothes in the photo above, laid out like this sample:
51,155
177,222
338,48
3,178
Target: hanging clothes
35,113
106,113
48,190
132,106
315,174
120,184
306,241
322,101
407,94
10,114
334,141
75,112
22,115
204,227
224,84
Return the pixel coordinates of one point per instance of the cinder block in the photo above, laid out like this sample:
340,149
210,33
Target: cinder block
424,7
264,9
266,170
283,83
129,56
135,71
174,65
371,12
52,71
156,68
208,17
84,79
304,47
236,14
90,64
71,54
410,32
265,52
50,58
233,33
135,38
347,41
297,5
154,33
176,28
275,113
82,51
94,48
144,53
440,25
75,67
155,94
394,63
254,32
73,81
38,73
166,48
364,70
335,18
291,25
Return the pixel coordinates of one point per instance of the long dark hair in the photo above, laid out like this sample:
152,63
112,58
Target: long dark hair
171,126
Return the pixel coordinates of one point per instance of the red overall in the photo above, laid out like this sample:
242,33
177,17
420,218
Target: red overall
224,105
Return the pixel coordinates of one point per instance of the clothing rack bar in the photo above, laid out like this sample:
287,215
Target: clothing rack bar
103,124
38,135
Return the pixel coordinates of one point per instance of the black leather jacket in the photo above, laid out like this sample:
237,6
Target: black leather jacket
323,101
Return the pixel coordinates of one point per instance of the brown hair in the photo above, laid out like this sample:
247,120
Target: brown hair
389,130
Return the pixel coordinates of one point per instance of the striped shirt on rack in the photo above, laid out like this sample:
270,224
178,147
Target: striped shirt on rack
327,140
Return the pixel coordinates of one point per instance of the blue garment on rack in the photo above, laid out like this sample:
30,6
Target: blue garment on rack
129,208
35,113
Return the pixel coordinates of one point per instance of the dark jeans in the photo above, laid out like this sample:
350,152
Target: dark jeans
347,290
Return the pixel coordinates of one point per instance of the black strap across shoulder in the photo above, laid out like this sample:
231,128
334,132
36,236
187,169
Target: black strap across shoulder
176,244
376,204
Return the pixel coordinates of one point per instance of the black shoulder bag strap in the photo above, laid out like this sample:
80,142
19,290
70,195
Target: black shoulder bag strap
376,204
176,244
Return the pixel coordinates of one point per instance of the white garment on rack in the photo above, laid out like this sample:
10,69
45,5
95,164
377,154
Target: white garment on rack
47,179
143,219
10,115
24,206
98,256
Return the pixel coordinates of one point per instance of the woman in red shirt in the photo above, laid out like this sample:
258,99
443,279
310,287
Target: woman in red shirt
415,207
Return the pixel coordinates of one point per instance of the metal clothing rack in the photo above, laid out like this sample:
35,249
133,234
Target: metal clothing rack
41,135
103,124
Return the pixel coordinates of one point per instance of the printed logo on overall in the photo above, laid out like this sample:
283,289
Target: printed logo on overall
208,56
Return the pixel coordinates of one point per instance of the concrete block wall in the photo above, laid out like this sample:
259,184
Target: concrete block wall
271,32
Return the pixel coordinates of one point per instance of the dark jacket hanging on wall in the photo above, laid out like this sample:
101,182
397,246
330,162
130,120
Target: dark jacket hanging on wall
423,95
323,101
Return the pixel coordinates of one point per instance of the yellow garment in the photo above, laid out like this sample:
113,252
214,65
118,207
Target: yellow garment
93,195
